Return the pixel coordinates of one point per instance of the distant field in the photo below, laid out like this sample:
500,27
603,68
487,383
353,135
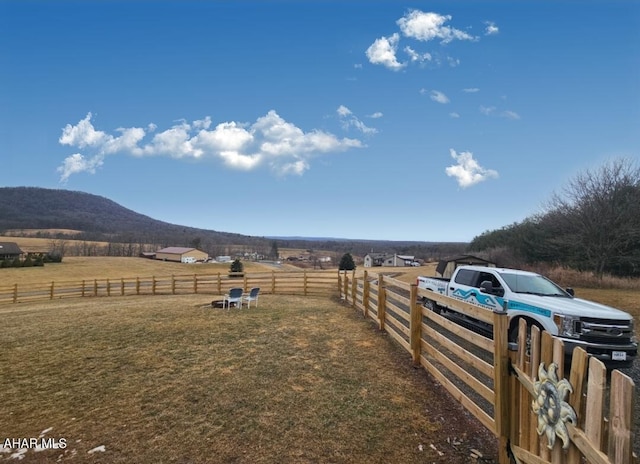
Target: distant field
43,245
112,267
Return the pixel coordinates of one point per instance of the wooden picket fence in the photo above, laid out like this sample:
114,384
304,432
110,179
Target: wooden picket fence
299,283
499,385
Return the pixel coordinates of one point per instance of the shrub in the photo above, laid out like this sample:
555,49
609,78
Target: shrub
347,263
236,266
28,262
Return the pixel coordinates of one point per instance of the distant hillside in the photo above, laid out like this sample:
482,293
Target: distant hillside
97,217
101,219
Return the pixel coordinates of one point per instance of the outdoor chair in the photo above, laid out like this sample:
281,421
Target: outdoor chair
234,296
252,296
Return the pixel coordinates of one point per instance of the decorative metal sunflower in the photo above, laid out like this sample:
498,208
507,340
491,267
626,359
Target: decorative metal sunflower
551,407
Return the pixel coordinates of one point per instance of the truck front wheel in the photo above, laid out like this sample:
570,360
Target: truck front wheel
514,328
431,305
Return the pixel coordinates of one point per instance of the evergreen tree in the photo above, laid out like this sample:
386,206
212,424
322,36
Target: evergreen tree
274,250
347,263
237,266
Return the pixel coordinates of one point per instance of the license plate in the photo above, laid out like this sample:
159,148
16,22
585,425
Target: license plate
619,356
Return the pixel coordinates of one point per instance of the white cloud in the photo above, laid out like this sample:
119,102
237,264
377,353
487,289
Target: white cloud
76,163
453,62
348,120
376,115
487,110
383,51
467,171
415,56
493,111
429,26
82,134
418,26
343,111
439,97
471,90
491,28
454,115
510,115
270,141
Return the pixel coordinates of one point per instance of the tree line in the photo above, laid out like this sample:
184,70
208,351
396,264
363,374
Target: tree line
591,224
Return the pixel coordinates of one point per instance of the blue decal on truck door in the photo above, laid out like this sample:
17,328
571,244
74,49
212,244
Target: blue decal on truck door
517,306
482,299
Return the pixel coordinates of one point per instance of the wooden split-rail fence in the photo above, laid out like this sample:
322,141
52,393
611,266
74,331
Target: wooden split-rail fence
517,392
299,283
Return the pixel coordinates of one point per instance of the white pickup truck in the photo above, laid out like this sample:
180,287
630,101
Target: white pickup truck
604,332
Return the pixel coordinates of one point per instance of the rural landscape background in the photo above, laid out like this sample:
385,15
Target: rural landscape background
134,375
286,135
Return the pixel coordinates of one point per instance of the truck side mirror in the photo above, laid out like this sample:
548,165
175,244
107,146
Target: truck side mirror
570,291
486,286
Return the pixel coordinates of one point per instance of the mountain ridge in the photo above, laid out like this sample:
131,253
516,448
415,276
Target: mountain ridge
102,219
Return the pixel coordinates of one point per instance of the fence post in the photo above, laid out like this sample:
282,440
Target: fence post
83,287
153,285
51,292
365,294
273,282
15,293
219,284
416,324
354,288
345,285
173,284
501,383
95,287
195,283
108,288
304,283
137,285
382,302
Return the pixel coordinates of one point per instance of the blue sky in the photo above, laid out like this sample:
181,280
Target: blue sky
428,121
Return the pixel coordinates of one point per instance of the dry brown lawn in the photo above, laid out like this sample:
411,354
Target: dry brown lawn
168,379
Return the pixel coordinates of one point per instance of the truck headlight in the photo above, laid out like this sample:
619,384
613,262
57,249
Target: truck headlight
568,326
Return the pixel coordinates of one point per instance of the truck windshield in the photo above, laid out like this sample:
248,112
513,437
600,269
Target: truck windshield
532,284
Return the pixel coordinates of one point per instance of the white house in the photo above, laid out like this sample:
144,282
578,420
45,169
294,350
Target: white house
385,259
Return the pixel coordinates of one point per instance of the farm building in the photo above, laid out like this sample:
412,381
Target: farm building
9,250
446,266
385,259
181,254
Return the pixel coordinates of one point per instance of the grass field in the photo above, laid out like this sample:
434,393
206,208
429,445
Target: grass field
168,379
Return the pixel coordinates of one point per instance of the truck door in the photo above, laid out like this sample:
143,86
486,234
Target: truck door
466,287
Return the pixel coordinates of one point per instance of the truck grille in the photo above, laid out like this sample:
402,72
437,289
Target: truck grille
609,331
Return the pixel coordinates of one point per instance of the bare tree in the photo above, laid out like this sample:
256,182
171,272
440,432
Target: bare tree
597,215
57,247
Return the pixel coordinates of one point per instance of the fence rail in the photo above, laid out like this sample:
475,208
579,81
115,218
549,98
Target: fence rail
302,283
500,386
